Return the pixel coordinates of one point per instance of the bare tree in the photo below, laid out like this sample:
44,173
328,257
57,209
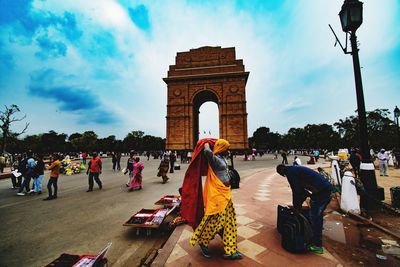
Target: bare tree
7,118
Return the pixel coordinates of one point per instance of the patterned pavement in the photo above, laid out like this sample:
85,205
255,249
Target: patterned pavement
258,240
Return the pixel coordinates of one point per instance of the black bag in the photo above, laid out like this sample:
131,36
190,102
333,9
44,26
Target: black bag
295,229
234,178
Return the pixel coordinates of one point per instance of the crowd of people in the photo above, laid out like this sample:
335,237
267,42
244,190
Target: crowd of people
27,170
28,167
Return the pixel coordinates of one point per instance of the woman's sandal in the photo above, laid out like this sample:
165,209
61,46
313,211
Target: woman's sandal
204,251
234,256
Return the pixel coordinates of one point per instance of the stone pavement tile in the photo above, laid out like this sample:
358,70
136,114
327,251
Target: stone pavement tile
240,210
257,215
271,259
256,226
186,235
250,249
243,220
176,254
266,190
246,231
268,220
270,239
261,198
183,262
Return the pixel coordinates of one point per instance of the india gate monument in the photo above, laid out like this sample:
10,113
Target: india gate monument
198,76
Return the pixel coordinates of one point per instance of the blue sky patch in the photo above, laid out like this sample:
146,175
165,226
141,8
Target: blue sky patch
50,49
102,44
140,16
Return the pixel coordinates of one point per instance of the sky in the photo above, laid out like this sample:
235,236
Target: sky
78,65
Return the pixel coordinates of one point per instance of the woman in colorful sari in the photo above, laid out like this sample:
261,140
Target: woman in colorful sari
136,180
219,213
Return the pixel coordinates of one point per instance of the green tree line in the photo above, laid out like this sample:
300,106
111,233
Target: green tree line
87,141
382,133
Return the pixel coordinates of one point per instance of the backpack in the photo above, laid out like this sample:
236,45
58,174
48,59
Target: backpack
295,229
234,178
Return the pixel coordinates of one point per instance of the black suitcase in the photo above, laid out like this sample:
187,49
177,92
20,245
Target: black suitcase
295,229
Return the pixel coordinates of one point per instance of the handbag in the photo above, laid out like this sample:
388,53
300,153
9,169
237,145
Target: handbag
234,178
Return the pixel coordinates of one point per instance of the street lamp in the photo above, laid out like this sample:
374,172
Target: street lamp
351,18
396,112
351,15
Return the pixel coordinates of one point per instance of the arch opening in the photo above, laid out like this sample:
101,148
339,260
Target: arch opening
209,120
206,124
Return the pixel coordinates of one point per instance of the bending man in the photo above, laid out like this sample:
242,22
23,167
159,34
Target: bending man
305,182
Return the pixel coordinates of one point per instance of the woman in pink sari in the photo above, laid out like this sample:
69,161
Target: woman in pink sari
136,180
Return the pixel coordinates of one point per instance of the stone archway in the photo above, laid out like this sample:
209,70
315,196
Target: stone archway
201,75
199,99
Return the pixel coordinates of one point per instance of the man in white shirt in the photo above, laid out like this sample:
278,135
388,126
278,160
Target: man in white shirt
296,161
383,162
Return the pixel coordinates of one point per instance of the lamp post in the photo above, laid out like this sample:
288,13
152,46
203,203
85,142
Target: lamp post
396,152
351,19
396,112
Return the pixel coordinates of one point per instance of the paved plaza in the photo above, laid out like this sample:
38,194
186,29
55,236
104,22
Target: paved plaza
34,232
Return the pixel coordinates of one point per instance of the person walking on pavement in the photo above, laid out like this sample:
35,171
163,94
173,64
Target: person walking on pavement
94,171
28,174
172,159
55,172
284,157
163,168
16,175
39,174
305,182
219,212
129,167
84,157
2,163
114,160
118,161
383,162
136,181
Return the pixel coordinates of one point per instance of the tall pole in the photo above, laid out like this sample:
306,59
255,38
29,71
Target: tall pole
398,133
362,118
367,169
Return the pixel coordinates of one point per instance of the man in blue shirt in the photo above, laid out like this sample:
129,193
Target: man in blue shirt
305,182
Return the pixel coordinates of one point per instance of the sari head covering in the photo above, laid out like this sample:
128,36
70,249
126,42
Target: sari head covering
221,145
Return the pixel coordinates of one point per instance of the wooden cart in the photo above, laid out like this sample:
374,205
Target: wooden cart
169,201
147,219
